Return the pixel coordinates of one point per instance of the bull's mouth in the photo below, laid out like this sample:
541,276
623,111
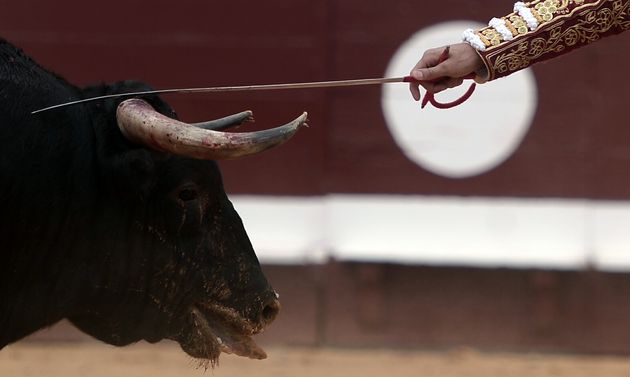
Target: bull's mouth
214,329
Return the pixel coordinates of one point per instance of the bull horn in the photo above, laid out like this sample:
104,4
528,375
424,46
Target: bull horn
142,124
226,122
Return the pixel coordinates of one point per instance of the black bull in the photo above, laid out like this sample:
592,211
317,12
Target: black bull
115,217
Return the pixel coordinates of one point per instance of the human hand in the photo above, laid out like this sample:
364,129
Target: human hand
463,60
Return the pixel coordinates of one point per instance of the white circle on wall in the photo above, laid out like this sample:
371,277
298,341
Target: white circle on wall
466,140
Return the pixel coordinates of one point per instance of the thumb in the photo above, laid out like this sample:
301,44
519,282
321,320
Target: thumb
429,73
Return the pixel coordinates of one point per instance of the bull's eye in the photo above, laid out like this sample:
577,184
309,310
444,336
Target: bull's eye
187,194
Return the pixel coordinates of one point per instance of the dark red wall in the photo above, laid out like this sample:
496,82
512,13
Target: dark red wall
577,147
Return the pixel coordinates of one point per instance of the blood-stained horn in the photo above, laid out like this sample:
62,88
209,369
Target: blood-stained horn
142,124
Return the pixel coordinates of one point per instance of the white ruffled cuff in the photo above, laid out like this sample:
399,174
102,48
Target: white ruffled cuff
526,14
473,39
499,25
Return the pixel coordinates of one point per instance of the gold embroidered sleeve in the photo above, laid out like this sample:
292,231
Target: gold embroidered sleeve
544,29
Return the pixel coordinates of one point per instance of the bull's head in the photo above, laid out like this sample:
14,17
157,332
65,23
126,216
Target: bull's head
181,265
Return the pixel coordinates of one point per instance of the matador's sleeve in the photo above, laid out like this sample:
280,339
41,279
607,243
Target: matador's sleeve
543,29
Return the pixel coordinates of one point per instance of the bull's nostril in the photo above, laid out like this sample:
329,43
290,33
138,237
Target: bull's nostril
270,311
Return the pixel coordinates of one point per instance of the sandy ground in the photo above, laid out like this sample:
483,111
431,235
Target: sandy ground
142,360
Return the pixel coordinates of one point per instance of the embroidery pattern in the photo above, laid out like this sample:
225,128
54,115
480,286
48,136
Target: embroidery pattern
547,9
519,24
492,36
591,23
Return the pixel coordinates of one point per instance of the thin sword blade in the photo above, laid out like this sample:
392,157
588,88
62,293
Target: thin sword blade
241,88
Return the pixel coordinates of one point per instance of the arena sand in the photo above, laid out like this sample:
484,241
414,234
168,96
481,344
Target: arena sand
91,359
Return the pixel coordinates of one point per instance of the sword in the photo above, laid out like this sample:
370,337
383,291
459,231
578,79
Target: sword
241,88
428,97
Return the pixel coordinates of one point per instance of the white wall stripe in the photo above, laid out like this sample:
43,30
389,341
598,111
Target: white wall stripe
551,233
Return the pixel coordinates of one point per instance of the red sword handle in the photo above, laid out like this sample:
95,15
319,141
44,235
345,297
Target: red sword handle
430,97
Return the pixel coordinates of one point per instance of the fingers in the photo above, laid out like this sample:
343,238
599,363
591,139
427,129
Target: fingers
427,71
427,67
414,88
422,70
436,76
447,84
441,85
430,73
